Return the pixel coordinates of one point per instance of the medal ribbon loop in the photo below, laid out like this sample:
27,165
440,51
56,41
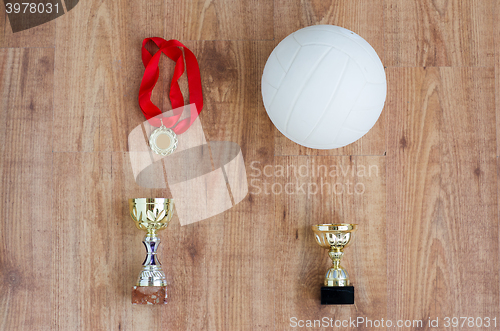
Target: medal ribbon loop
171,49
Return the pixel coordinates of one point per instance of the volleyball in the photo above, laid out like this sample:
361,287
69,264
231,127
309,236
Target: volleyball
324,87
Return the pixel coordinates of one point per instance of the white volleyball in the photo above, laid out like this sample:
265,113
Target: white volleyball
324,87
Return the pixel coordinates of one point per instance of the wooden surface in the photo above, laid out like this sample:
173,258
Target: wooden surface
427,245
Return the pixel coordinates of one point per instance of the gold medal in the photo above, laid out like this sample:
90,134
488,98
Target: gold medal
163,141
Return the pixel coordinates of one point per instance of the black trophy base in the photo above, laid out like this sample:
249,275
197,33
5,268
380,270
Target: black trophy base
337,295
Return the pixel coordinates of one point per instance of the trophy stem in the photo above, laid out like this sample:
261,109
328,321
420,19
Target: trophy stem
336,275
336,255
151,273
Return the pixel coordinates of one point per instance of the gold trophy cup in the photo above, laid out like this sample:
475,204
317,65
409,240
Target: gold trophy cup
151,215
335,237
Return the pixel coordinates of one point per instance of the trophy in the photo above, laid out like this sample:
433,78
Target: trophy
151,215
335,237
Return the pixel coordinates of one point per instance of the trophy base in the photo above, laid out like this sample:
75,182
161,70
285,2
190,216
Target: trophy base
149,295
337,295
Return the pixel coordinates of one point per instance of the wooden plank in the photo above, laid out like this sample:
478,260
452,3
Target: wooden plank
238,291
248,254
353,15
441,194
439,33
373,143
78,81
497,73
219,20
327,189
105,69
467,231
413,174
27,229
122,113
87,291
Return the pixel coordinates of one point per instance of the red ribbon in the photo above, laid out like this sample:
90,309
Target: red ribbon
151,73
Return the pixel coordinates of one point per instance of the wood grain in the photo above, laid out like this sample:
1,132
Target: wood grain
467,230
87,281
238,265
427,245
441,200
219,20
76,69
353,15
39,36
497,73
439,33
27,227
413,172
105,68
